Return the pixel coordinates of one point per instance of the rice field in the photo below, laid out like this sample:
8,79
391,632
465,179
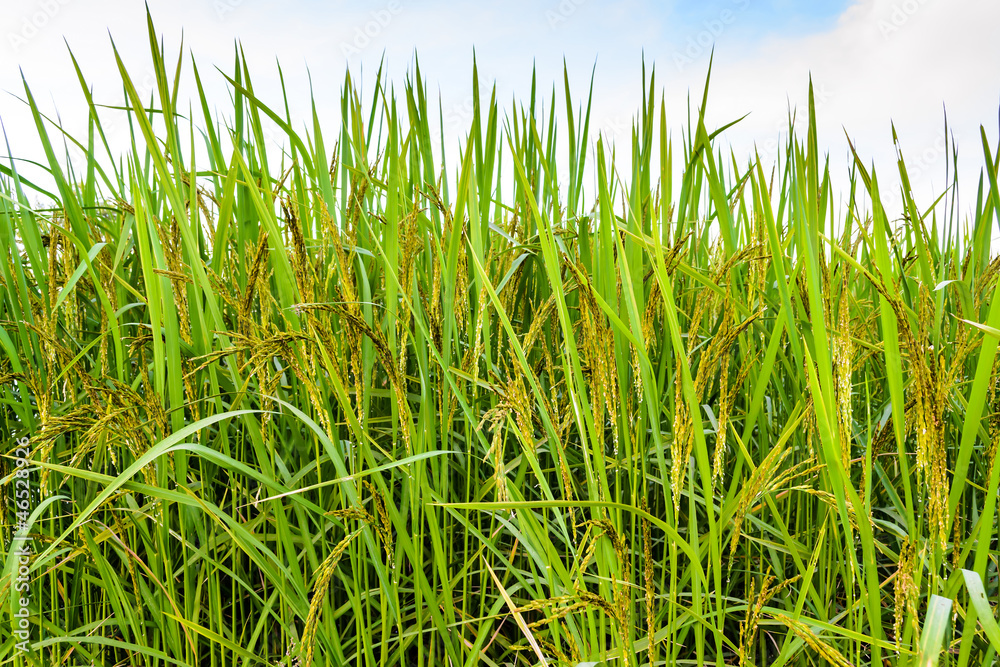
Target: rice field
339,404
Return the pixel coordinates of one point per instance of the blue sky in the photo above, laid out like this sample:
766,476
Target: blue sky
758,16
872,61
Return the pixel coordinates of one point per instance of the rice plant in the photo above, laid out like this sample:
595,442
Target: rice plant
336,404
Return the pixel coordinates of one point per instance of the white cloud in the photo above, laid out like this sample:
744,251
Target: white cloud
885,61
882,60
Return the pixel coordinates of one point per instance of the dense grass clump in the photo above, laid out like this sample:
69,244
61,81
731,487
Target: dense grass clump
340,406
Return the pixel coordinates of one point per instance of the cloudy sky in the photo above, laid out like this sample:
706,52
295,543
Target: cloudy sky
872,62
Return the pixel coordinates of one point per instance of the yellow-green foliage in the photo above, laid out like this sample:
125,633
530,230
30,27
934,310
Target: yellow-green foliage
313,407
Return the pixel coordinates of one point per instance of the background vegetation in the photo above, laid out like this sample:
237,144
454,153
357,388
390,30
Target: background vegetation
339,406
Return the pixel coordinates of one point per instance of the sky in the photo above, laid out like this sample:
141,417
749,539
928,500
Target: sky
873,63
